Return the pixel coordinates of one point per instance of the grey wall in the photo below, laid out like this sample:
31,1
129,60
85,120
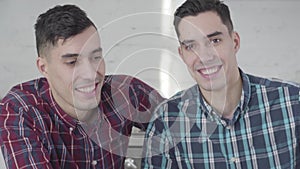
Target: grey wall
138,39
268,30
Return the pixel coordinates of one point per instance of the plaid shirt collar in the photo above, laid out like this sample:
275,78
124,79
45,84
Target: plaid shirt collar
66,118
241,108
46,94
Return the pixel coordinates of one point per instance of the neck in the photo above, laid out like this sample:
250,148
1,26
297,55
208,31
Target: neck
88,117
225,100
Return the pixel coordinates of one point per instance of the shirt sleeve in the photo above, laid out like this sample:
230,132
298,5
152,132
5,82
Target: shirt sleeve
145,100
158,149
20,141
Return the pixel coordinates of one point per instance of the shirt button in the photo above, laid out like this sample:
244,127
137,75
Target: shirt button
94,162
234,159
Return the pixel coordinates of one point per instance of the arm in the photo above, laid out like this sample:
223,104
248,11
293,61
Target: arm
20,140
131,98
145,100
158,147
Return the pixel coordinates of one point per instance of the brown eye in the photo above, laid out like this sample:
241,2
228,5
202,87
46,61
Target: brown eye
215,41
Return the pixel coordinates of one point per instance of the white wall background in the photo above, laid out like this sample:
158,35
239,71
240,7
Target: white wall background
138,39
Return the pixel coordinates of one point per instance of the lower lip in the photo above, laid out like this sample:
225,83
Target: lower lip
210,76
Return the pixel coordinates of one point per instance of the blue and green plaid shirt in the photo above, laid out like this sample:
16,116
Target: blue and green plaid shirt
264,132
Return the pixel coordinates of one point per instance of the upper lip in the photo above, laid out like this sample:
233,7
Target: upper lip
87,85
86,89
209,70
207,67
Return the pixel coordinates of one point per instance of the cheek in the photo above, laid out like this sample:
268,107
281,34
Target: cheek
67,81
190,61
60,76
64,78
224,53
62,84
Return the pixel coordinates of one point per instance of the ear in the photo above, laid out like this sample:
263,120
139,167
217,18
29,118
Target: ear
41,64
180,52
236,41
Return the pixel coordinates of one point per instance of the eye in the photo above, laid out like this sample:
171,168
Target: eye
72,62
189,46
97,57
215,41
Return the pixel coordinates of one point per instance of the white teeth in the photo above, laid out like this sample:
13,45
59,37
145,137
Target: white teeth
86,89
209,71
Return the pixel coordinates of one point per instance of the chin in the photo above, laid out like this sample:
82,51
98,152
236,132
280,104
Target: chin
210,86
84,106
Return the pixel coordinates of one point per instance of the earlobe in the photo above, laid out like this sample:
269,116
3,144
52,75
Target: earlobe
41,65
236,41
180,52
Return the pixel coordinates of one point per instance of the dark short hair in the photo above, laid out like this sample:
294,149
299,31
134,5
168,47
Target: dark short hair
59,22
194,7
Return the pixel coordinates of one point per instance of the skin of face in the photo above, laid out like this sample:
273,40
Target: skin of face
75,70
209,51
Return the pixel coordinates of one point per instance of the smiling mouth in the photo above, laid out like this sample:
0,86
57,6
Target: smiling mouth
87,89
210,71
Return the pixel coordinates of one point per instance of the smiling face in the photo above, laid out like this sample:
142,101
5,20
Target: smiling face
209,50
75,70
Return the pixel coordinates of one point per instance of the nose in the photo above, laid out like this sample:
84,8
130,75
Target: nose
206,54
86,69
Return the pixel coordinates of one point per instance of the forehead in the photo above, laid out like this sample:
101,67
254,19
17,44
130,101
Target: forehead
84,42
201,25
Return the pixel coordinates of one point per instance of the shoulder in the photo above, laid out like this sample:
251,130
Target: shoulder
24,106
180,102
26,94
274,90
273,84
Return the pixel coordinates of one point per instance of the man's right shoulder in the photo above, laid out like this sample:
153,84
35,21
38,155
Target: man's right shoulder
26,93
179,101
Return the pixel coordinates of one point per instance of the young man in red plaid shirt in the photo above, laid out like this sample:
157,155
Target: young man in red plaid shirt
75,116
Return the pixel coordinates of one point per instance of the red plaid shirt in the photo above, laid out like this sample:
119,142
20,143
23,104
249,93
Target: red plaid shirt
36,133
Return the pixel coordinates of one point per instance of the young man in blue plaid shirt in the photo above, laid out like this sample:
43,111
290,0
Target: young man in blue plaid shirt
230,119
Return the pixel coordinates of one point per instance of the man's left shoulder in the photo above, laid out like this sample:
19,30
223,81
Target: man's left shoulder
273,82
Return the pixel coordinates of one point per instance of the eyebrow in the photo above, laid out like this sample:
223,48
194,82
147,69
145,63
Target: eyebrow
216,33
71,55
185,42
97,50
